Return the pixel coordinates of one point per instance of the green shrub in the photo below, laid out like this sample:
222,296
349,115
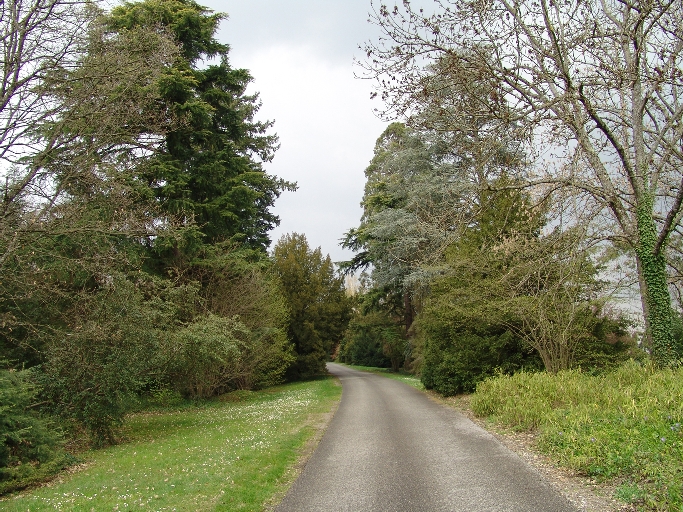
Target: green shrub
125,339
267,359
624,424
609,345
215,354
30,444
458,352
460,349
165,398
94,371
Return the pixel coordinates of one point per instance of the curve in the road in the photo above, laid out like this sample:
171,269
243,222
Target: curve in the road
390,448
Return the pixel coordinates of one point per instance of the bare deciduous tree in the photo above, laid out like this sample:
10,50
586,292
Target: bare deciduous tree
551,291
77,104
596,90
79,112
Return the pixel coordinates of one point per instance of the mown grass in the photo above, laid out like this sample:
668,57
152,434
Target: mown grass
235,454
623,427
409,379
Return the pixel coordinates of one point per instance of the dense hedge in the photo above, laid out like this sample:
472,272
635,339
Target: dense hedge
372,340
457,359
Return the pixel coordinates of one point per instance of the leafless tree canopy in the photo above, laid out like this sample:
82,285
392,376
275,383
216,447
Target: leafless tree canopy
78,107
594,86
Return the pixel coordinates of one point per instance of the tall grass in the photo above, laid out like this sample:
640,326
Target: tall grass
232,455
624,426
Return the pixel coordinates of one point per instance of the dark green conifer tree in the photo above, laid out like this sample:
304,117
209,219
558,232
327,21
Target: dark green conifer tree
209,168
319,308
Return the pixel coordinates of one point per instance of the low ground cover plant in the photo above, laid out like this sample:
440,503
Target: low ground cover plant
230,454
623,426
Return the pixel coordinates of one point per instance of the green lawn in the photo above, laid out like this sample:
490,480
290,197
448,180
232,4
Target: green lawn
234,455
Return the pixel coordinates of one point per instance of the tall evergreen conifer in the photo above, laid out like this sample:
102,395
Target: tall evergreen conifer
209,168
320,310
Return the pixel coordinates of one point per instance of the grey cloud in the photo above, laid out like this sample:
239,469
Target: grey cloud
335,27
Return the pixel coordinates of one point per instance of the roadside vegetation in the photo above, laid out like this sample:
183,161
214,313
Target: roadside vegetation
233,453
623,427
509,227
523,203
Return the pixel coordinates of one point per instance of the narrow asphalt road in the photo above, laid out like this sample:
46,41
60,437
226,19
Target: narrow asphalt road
390,448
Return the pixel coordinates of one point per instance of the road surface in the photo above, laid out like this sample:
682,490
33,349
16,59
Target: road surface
389,448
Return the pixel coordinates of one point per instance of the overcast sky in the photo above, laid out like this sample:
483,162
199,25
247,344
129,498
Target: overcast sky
300,54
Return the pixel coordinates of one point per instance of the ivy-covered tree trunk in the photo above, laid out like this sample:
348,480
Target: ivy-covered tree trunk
652,265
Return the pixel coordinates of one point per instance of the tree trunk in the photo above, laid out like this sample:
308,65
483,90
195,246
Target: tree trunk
658,298
647,335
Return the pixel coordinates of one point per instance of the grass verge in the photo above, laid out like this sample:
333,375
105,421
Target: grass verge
409,379
233,454
623,427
